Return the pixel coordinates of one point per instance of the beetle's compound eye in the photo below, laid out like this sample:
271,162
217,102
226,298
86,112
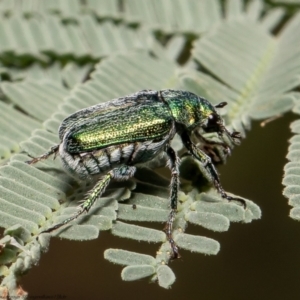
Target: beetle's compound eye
213,123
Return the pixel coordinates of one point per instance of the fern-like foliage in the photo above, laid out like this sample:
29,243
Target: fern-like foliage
150,205
48,51
250,87
292,169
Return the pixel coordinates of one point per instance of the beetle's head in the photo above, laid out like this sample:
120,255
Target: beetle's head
213,137
214,124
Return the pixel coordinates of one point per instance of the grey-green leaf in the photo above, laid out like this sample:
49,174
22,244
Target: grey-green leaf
137,272
128,258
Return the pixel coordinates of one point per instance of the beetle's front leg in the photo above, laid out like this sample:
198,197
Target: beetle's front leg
209,166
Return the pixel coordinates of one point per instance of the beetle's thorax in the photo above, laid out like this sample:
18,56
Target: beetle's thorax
188,110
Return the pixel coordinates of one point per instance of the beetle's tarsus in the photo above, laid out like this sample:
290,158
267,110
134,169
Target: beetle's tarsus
225,196
242,201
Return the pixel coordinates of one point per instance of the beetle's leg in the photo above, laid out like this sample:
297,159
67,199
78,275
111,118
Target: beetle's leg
52,150
98,189
208,147
206,141
208,165
173,165
121,173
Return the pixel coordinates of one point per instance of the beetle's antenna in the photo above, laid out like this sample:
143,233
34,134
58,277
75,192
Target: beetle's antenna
221,105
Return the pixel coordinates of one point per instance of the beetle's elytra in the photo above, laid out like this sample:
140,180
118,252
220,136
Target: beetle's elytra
111,138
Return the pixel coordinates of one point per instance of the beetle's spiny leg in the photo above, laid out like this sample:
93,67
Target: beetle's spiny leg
173,165
168,230
52,150
121,173
98,189
96,192
216,180
209,166
229,198
217,184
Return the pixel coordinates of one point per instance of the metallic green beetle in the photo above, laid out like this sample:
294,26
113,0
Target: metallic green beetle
112,138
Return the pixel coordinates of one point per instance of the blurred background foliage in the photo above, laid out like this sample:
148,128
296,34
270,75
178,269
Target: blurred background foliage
63,55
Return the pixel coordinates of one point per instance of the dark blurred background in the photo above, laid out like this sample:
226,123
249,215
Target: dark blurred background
257,261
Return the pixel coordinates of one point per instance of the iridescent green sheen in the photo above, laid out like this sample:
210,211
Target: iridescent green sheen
187,108
127,124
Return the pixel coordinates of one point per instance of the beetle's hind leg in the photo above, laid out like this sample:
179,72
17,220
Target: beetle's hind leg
121,173
52,150
173,165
